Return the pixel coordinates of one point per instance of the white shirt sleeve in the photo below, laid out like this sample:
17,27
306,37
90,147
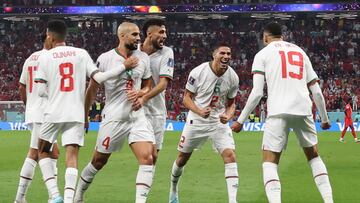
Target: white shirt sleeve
167,64
193,82
23,77
258,65
90,66
41,73
254,97
147,73
310,73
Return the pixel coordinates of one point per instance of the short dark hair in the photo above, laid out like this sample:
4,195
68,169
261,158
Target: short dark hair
151,22
221,44
43,37
59,28
274,29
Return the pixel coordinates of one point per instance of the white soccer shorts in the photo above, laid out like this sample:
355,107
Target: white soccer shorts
112,134
71,132
158,126
195,135
35,132
277,130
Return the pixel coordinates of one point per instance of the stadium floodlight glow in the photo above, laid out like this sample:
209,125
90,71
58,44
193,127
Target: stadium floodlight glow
241,8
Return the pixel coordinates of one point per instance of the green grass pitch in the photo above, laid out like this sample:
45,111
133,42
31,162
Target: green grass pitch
203,178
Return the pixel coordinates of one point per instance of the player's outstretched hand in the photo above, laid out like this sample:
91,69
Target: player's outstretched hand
205,112
132,95
224,118
325,126
236,127
137,104
131,62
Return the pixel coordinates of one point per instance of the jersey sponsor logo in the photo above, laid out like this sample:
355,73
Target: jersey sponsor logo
171,62
191,80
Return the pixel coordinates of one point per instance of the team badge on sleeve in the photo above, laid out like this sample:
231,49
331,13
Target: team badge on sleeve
191,80
170,62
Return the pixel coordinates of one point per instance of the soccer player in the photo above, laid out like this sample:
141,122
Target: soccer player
162,69
209,96
120,121
288,73
33,118
348,122
61,77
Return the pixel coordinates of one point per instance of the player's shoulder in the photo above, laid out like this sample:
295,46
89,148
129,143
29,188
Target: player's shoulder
201,67
232,73
107,54
166,50
140,54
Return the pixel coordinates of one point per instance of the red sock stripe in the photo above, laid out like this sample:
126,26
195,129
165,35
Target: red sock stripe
25,178
321,174
146,185
49,179
70,188
271,181
85,180
231,177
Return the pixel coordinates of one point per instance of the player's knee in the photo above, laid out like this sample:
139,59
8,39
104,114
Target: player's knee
99,163
33,154
147,159
229,156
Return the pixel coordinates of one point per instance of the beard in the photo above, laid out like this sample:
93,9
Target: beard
131,46
156,44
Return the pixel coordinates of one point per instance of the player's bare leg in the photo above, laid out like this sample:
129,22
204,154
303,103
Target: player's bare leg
270,175
47,170
231,174
71,173
98,161
176,172
319,172
143,153
353,132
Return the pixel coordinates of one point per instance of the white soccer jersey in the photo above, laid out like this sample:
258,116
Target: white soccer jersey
64,68
211,90
287,70
161,65
34,111
117,107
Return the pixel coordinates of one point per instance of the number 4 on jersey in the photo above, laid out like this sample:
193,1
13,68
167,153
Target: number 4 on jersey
295,59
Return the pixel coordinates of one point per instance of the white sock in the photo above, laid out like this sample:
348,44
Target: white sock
232,181
321,179
272,182
47,171
144,180
70,184
54,162
26,176
86,177
175,176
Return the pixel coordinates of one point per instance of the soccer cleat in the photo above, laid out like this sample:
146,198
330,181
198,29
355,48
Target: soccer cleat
341,139
356,140
173,197
57,199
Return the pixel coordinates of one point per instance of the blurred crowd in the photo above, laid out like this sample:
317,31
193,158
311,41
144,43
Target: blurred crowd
332,45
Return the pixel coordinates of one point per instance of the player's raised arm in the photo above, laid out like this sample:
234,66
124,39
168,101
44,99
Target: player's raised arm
254,98
129,64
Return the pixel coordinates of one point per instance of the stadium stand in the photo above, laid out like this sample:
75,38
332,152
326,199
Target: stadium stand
333,46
